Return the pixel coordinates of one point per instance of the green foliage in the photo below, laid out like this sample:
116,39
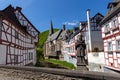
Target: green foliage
52,62
71,30
62,63
42,38
40,55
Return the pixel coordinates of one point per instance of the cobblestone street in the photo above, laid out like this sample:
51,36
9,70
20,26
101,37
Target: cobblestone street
11,74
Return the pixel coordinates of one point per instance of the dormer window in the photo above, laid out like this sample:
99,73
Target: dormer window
111,5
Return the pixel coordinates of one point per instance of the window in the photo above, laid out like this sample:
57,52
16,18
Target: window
107,28
110,53
52,46
114,23
30,55
109,46
31,40
118,44
111,7
16,34
16,59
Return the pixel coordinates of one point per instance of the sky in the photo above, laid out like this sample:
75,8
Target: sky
68,12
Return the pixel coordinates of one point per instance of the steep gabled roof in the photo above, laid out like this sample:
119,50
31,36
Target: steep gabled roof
112,13
98,14
62,35
9,12
54,36
116,0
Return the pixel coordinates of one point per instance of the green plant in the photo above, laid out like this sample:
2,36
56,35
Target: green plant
62,63
41,40
40,55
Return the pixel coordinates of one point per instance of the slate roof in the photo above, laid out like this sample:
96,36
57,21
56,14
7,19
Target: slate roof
72,35
116,0
54,36
111,13
98,14
62,35
9,12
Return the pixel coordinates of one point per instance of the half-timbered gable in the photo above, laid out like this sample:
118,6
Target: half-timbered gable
26,23
17,41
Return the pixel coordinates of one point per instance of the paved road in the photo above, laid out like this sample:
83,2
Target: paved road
37,73
11,74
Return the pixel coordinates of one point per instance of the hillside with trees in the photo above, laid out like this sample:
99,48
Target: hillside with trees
42,38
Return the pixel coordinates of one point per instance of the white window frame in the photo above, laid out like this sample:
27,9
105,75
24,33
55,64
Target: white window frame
107,27
114,22
109,46
118,44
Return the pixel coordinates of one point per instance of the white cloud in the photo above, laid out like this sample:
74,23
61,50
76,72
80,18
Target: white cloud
72,23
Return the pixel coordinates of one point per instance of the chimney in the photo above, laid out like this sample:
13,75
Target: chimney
89,30
80,25
18,8
64,28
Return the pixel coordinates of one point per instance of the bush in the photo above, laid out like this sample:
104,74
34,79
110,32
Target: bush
40,55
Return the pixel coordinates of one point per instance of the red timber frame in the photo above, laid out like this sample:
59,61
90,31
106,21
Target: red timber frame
74,43
16,47
112,37
30,28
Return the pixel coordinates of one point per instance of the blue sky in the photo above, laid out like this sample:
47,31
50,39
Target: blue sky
68,12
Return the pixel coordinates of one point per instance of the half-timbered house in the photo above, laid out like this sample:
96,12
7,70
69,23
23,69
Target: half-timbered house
111,36
94,47
18,38
69,43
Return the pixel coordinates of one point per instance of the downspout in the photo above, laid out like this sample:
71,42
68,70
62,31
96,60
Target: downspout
89,30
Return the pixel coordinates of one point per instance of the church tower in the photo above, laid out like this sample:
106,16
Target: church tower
51,29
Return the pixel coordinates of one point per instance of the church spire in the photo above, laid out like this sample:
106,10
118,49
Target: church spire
51,29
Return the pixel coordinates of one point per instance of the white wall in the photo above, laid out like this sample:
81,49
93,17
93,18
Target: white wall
96,57
96,40
96,61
